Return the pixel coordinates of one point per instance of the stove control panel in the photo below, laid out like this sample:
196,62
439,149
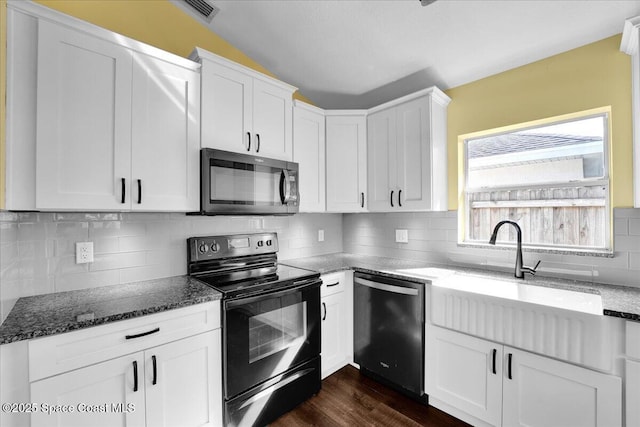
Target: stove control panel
217,247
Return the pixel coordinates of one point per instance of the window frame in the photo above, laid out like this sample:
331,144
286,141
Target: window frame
464,205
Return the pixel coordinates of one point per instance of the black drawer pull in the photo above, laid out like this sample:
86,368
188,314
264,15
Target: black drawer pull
155,370
143,334
124,190
139,191
333,284
249,139
400,198
495,352
135,376
257,142
391,198
324,308
362,201
509,367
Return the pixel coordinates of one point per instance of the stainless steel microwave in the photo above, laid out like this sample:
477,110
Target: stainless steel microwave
242,184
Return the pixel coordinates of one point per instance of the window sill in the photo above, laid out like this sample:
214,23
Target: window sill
604,253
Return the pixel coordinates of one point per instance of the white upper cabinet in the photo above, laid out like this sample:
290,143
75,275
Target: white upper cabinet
244,111
631,46
346,140
309,153
407,153
117,123
165,136
83,146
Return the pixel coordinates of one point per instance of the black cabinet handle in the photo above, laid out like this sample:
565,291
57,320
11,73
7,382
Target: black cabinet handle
257,142
249,138
362,200
139,191
135,376
400,198
324,308
509,367
333,284
124,189
155,370
143,334
495,352
391,198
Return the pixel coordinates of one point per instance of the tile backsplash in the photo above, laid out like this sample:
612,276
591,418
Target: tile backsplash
433,238
37,250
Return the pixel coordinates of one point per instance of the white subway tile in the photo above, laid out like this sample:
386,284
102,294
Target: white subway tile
627,243
621,226
634,261
626,213
634,227
117,261
91,279
148,272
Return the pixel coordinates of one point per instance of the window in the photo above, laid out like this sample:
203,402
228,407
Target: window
551,178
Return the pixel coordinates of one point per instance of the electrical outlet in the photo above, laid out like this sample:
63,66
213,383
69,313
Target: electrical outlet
84,252
321,235
402,236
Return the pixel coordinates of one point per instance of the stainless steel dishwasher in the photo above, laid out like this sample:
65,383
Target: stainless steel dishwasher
389,332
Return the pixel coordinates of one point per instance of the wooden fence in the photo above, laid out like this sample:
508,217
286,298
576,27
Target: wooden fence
567,216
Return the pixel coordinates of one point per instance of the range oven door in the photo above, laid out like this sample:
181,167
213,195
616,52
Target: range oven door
232,183
267,335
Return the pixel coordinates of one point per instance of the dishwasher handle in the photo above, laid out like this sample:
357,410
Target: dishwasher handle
386,287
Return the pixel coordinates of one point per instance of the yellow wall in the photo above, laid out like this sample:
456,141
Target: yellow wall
592,76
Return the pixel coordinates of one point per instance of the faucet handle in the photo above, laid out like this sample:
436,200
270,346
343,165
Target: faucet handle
532,271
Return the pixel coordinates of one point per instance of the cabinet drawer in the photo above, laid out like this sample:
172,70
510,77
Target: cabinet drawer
332,283
60,353
633,339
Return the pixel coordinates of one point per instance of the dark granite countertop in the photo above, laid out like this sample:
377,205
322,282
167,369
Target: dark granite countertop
617,301
50,314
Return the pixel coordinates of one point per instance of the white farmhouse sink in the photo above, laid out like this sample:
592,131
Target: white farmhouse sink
564,324
520,291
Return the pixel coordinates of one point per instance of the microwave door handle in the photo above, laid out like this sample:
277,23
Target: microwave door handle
285,187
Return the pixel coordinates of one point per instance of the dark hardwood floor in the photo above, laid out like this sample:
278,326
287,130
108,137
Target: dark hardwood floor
350,399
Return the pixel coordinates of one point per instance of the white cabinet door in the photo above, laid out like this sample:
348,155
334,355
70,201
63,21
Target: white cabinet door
188,386
346,141
110,385
309,153
83,145
227,108
333,334
272,121
413,158
381,161
541,392
464,372
166,136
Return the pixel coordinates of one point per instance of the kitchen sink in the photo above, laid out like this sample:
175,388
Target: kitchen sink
559,323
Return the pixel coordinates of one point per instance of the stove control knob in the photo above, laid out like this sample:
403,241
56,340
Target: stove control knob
268,242
260,243
215,247
203,248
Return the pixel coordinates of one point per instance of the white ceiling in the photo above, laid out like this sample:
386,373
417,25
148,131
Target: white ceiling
359,53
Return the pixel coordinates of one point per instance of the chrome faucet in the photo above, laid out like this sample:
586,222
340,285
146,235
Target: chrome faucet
520,269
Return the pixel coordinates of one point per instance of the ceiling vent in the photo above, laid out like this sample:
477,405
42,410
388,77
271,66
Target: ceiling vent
202,9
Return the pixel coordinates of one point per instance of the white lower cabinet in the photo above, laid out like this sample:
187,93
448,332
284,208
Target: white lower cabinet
109,384
632,374
492,384
175,380
337,321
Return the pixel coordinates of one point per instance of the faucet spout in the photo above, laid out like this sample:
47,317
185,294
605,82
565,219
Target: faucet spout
520,269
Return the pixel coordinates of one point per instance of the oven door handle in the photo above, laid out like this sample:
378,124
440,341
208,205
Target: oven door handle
386,287
306,284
